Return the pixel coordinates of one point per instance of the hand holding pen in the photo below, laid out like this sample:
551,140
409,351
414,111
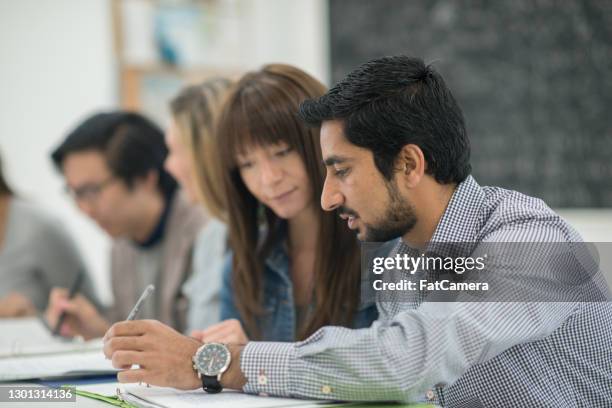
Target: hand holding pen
80,317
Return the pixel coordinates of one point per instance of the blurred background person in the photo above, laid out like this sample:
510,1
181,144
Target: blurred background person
36,254
193,161
293,268
113,164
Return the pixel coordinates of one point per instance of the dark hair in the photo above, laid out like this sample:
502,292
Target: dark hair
5,189
390,102
131,143
261,110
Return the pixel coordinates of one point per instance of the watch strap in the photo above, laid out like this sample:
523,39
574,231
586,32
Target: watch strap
211,384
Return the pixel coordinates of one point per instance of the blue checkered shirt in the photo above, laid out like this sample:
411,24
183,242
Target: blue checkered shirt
458,354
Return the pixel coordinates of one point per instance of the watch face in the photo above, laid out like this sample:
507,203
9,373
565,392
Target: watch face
212,359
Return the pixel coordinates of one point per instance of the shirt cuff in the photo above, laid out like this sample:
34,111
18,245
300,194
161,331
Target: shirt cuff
266,368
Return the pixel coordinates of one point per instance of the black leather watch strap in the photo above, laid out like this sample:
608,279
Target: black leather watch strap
211,384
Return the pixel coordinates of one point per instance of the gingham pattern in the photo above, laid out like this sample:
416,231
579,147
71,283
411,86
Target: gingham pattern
457,354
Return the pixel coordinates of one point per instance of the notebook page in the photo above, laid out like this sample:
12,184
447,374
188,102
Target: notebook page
172,398
29,336
54,365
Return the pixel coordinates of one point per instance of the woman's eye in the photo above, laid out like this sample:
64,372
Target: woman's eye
245,165
283,152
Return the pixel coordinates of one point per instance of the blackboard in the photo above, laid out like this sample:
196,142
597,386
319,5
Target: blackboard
534,80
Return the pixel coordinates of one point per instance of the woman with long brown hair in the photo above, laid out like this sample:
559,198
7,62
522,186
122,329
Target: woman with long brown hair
294,268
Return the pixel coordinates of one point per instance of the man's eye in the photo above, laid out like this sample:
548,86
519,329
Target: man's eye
341,172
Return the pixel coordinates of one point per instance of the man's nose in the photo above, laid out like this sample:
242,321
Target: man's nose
86,206
331,197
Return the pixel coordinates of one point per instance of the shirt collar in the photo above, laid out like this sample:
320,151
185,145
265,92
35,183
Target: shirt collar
460,223
158,232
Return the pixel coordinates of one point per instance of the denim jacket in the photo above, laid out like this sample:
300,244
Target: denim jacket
279,321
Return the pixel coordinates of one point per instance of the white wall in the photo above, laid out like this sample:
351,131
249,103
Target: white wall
294,32
56,66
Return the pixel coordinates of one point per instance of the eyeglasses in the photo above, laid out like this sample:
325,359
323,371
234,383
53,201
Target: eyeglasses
89,191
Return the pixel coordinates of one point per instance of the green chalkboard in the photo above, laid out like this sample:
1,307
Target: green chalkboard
534,79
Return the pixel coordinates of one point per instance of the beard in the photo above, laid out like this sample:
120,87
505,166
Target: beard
398,219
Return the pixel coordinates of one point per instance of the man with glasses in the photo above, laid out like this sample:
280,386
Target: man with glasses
113,164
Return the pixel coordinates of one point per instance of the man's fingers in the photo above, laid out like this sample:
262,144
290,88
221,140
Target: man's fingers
56,296
132,376
58,293
128,328
114,344
70,307
126,359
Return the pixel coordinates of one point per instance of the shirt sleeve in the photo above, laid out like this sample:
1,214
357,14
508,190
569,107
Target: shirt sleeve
404,357
398,360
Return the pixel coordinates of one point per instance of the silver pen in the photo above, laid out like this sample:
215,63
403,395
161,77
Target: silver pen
147,292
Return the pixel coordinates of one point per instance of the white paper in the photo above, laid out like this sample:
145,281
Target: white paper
29,336
55,365
173,398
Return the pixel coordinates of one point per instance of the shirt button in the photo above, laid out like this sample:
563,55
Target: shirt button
262,379
430,395
326,389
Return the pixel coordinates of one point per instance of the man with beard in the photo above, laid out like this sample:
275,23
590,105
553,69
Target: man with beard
394,142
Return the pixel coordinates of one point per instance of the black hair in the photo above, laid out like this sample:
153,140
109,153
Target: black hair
132,145
389,102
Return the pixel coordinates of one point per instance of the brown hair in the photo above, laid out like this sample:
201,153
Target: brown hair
5,189
262,110
195,110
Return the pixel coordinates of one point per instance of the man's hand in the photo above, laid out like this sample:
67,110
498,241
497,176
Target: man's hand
82,318
16,305
162,354
227,332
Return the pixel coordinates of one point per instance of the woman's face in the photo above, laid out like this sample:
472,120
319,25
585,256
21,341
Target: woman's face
178,162
276,176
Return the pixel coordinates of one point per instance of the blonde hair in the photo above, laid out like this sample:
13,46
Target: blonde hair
195,110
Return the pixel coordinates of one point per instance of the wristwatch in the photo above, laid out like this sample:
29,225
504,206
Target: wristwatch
210,361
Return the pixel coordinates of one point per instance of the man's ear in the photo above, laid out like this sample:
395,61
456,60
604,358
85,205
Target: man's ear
410,165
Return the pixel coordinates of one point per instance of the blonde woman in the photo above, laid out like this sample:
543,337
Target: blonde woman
192,160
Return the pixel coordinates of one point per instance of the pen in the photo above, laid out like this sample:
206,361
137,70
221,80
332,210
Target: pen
71,294
147,292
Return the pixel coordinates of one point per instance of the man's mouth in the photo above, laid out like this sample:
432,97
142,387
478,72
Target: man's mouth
351,220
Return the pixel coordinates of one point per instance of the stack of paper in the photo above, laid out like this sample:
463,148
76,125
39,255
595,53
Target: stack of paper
28,350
